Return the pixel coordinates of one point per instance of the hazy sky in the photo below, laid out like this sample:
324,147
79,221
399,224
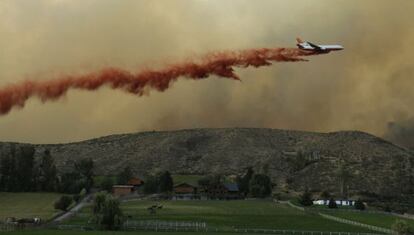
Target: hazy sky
364,87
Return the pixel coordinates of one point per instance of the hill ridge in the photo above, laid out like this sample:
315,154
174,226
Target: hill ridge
294,159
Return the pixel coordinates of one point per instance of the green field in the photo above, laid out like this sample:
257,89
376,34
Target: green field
229,214
376,219
22,205
61,232
189,179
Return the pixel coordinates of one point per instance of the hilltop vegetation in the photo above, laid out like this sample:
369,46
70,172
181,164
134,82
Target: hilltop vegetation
345,163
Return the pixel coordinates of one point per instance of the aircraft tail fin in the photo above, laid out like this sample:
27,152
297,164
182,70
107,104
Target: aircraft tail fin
299,40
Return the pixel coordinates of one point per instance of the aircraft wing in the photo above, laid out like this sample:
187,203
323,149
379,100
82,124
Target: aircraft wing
315,46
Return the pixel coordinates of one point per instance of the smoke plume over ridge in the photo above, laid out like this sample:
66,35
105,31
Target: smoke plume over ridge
364,87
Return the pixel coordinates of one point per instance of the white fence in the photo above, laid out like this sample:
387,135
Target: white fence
168,226
164,225
370,227
7,227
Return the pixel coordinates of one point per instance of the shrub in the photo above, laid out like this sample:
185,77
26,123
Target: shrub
63,203
106,184
401,227
76,198
306,199
332,204
359,205
260,186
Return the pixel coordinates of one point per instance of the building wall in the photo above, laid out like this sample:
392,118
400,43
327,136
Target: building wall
184,189
121,191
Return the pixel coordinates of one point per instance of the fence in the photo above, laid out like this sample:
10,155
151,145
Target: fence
295,206
370,227
164,225
341,220
243,230
405,215
7,227
168,226
74,227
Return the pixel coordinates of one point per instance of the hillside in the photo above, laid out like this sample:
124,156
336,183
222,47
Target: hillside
294,159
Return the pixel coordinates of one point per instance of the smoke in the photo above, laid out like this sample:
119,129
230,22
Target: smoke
364,87
401,133
220,64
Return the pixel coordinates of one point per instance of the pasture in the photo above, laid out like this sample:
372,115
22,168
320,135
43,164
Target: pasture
67,232
240,214
21,205
371,218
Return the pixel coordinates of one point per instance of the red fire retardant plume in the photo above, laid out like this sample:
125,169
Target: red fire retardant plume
220,64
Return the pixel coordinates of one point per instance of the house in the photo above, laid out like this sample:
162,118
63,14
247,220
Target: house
135,182
122,190
340,202
185,191
232,191
223,191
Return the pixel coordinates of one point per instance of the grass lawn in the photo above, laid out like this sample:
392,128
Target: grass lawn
189,179
376,219
21,205
63,232
227,214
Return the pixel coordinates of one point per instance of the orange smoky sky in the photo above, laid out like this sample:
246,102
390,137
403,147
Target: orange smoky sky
365,87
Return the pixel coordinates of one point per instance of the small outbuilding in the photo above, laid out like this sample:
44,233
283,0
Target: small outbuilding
185,191
122,190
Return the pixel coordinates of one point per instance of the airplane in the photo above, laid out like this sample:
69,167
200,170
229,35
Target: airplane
308,46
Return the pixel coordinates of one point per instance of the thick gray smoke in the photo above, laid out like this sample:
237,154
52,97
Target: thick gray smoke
401,133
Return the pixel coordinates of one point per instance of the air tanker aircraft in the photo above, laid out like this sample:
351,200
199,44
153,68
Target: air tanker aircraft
308,46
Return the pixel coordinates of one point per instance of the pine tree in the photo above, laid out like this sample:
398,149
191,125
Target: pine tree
165,182
244,181
47,178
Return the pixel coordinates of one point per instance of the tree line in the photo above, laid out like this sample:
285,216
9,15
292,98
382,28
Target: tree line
20,172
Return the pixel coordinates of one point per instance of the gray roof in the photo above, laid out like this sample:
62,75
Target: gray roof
232,187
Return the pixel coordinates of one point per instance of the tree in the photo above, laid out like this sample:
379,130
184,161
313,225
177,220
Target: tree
98,202
72,183
344,178
244,181
106,184
306,199
359,205
25,169
17,170
211,181
8,171
332,204
165,182
124,175
204,182
107,212
325,195
63,203
401,227
260,186
85,168
47,175
151,184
